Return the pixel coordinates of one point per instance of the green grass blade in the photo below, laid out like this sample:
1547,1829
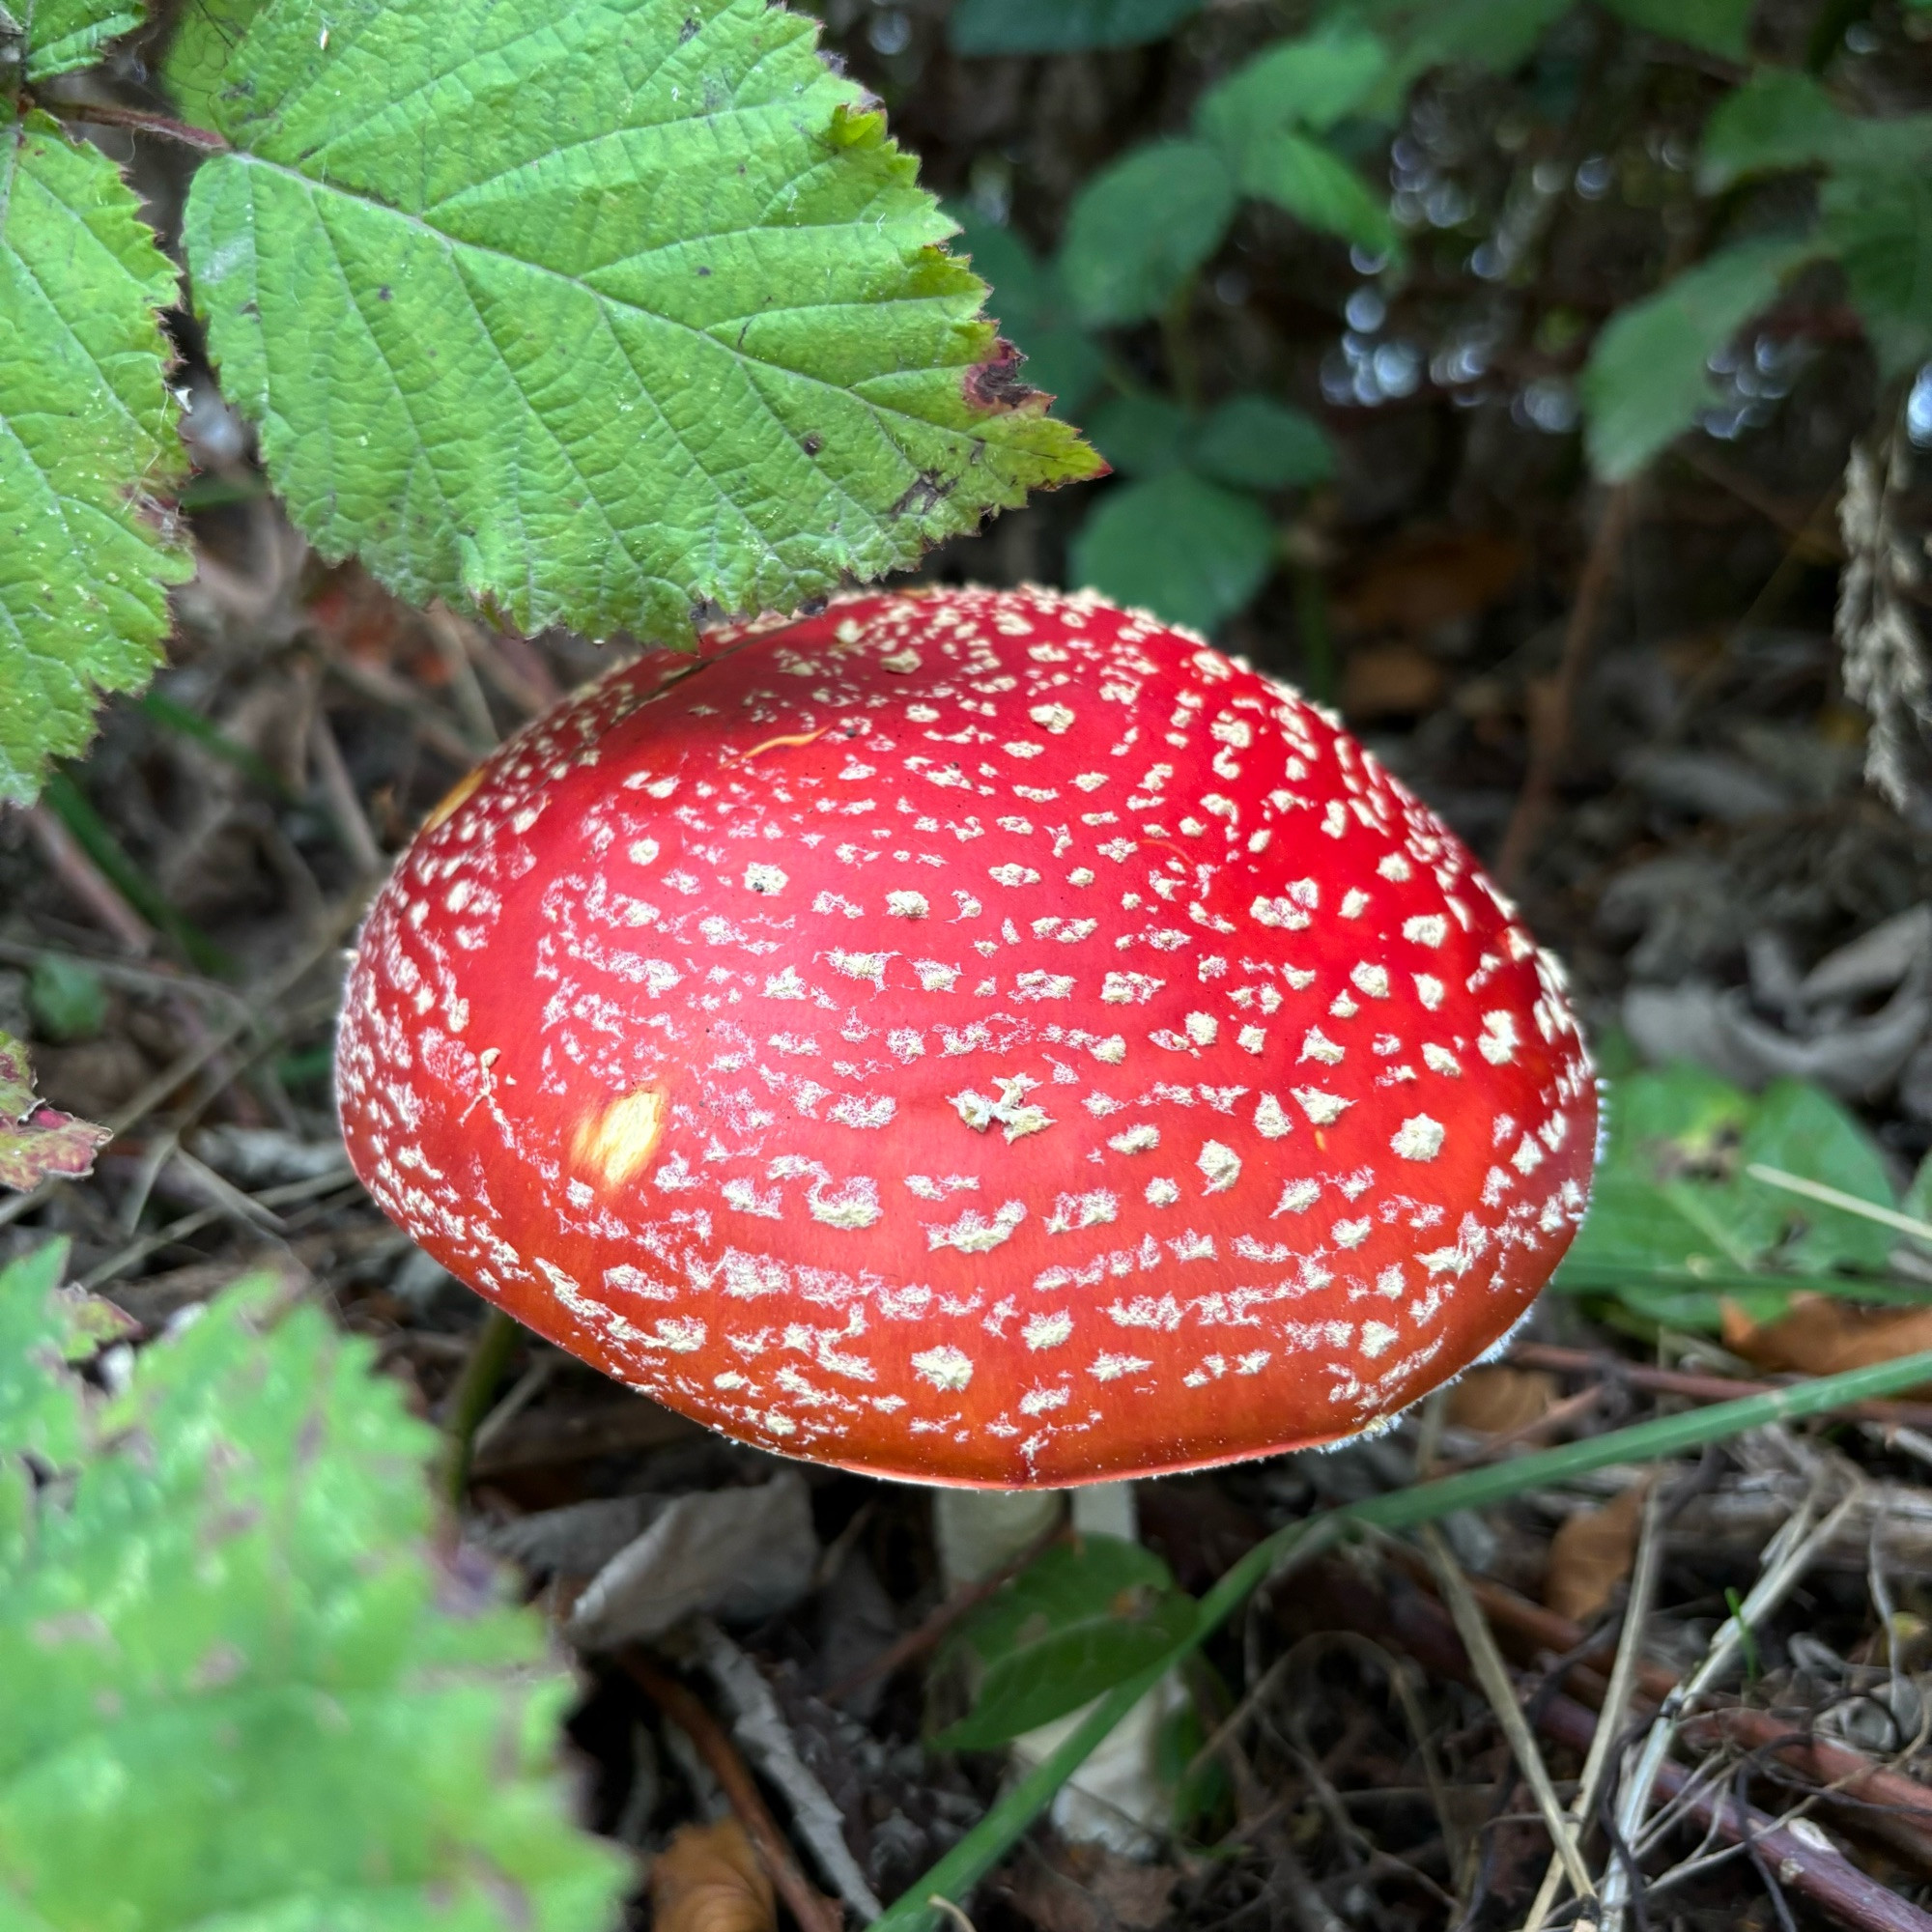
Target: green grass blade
989,1842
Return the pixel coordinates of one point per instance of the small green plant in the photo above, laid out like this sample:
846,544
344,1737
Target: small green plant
922,1906
606,313
1083,1617
239,1685
1295,127
1680,1222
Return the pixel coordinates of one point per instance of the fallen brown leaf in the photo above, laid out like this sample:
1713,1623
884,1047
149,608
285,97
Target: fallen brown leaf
1822,1335
1389,681
1088,1888
1426,578
1591,1555
38,1143
708,1879
1500,1400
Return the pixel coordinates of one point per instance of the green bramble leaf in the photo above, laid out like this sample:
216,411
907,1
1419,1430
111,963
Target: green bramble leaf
1258,444
36,1141
1498,35
1082,1618
205,37
602,313
1311,82
1778,120
239,1688
1031,309
1144,435
1721,26
86,435
1875,213
1062,26
1139,228
63,35
1318,187
1648,373
1179,545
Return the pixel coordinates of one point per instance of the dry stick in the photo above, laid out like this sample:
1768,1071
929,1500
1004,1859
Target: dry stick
1558,1416
760,1728
927,1633
517,669
1014,1811
1887,1804
186,1066
453,643
1493,1677
383,687
1817,1871
1262,1824
338,788
1801,1544
1806,1862
809,1907
1809,543
1616,1698
87,882
1549,734
169,982
1699,1389
286,1195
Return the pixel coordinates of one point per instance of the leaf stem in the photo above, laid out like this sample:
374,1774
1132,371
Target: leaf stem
989,1842
470,1399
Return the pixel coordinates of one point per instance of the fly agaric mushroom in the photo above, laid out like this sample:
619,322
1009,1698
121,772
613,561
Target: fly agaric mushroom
984,1036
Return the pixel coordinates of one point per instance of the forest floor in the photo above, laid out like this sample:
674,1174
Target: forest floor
1701,832
1627,703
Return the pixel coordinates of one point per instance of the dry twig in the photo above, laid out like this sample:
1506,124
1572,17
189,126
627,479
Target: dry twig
813,1911
1493,1677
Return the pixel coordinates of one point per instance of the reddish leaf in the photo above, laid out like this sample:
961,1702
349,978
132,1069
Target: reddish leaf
36,1144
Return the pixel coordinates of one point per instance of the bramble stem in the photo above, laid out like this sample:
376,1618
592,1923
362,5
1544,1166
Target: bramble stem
137,121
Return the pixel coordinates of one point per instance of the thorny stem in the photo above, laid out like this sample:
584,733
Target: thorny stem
137,121
989,1842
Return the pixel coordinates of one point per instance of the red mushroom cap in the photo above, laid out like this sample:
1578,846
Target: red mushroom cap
980,1036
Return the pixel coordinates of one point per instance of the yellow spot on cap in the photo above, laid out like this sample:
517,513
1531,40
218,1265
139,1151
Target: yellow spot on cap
453,798
619,1139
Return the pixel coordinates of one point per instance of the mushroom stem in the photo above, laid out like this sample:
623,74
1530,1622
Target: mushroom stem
1117,1799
